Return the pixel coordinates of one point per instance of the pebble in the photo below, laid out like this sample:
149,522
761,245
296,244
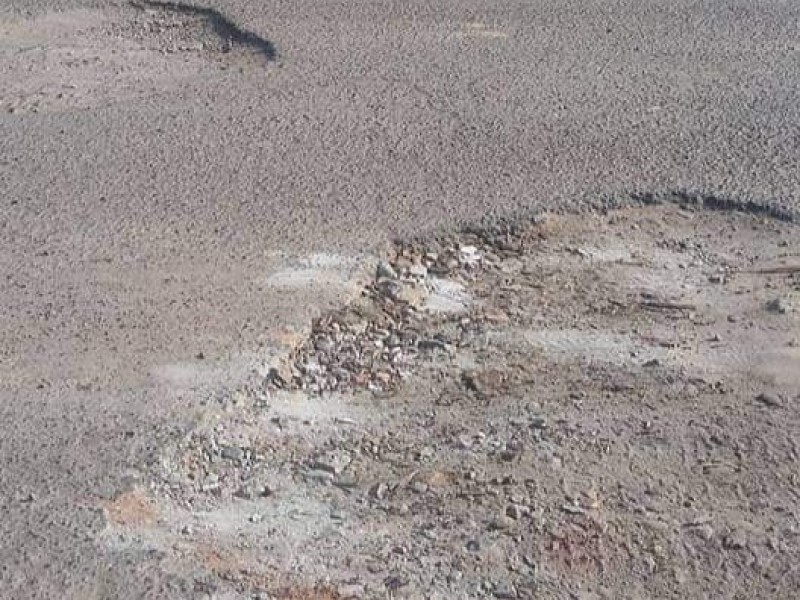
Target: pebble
705,531
779,305
454,576
245,492
346,482
505,590
333,462
770,399
420,271
501,523
735,540
539,423
252,491
325,345
379,491
572,509
427,452
318,475
464,442
469,255
514,511
386,270
350,591
495,315
232,453
419,487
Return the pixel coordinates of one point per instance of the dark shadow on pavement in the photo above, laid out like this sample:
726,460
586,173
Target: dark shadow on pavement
226,29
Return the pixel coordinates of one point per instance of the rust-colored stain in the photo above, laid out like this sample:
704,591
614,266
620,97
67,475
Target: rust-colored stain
581,546
131,509
436,479
230,565
288,338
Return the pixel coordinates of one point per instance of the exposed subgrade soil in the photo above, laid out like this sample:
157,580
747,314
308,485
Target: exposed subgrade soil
594,406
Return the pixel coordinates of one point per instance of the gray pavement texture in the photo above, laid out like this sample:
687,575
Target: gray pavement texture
135,232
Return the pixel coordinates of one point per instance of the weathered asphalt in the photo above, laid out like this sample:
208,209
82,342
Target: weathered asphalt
134,233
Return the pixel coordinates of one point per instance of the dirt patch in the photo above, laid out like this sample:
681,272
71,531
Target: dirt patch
613,413
132,509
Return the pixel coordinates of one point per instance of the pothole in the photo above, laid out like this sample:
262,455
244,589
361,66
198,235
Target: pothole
178,27
560,428
82,59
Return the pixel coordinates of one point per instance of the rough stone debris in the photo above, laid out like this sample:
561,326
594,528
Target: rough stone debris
557,436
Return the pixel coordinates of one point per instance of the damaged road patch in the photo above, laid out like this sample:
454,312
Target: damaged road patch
601,414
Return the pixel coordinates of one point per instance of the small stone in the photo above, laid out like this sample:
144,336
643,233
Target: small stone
210,483
735,540
473,546
572,509
251,492
256,518
333,462
350,591
395,582
385,270
232,453
419,487
779,305
539,423
501,523
324,345
346,482
419,271
426,453
245,493
454,576
514,511
704,531
469,255
464,442
379,491
770,399
495,315
505,590
413,295
319,475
